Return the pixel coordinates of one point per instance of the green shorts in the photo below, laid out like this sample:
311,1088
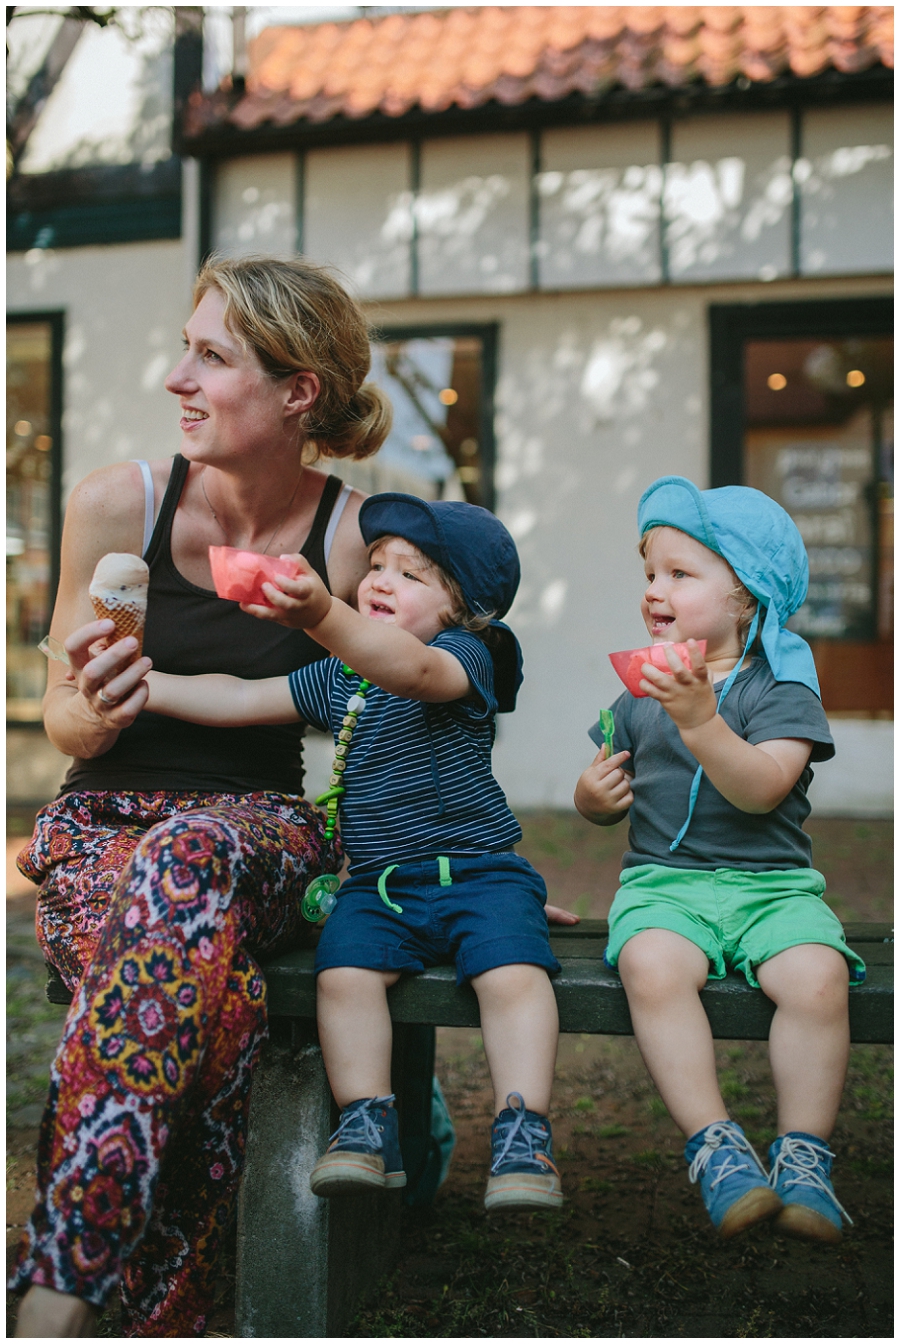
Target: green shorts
739,919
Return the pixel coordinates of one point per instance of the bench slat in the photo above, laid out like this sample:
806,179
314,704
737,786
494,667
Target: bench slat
590,998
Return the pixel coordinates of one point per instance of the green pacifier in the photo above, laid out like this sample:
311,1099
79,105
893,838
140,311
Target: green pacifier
320,897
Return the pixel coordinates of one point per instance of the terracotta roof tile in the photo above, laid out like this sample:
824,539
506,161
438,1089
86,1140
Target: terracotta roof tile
435,60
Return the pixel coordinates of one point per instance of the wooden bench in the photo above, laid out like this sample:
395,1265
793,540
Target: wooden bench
305,1264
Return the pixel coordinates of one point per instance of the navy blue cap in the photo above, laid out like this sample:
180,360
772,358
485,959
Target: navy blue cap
470,544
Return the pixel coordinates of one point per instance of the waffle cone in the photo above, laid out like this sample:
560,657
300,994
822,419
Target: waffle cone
129,619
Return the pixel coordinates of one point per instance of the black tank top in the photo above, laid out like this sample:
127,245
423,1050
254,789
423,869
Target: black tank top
191,630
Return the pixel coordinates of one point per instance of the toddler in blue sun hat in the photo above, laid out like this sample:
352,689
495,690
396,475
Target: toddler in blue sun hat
711,763
418,674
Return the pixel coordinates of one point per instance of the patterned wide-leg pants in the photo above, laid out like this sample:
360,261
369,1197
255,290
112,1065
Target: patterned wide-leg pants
152,906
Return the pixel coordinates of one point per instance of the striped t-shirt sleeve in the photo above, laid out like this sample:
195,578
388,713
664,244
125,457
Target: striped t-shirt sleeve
310,689
479,668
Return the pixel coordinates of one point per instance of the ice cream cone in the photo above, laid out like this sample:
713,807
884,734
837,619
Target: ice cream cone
119,593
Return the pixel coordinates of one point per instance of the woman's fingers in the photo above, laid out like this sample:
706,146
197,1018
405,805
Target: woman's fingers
114,690
109,663
120,713
556,915
78,645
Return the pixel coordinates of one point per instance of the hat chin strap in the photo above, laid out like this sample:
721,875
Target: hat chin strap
695,782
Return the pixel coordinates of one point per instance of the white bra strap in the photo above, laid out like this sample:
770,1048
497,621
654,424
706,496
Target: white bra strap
148,502
339,505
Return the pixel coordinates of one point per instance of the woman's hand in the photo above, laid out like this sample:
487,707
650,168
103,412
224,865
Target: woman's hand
603,793
555,915
299,603
109,679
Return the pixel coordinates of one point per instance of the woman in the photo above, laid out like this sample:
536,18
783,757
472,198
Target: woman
174,856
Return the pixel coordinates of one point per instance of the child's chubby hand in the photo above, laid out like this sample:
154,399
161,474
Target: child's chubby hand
603,793
299,603
687,695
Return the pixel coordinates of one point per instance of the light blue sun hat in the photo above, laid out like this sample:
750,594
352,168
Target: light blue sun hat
760,541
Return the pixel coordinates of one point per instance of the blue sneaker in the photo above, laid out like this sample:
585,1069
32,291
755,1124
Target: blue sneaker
523,1174
733,1183
801,1177
363,1152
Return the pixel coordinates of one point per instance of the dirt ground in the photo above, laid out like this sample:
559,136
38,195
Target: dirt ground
631,1254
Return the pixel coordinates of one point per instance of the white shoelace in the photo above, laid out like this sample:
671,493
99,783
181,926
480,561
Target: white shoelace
715,1136
528,1132
801,1158
361,1118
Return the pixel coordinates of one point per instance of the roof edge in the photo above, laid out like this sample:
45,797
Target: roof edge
616,104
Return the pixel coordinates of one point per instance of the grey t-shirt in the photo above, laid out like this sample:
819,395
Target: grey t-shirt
758,708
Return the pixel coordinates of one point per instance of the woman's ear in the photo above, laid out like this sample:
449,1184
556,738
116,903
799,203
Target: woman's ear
302,393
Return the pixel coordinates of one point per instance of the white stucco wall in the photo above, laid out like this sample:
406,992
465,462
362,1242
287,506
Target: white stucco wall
124,307
598,393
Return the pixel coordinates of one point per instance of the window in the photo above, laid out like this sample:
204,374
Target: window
33,365
803,410
441,445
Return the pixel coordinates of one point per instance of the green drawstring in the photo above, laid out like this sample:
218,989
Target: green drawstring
382,889
444,876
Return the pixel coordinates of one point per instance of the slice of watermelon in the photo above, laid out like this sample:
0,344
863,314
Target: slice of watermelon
628,663
240,575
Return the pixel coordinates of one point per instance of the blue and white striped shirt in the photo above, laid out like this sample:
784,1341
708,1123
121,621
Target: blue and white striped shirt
418,779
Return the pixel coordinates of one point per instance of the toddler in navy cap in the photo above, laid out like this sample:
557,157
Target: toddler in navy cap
712,763
417,677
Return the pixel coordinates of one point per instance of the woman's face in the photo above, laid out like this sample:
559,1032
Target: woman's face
230,407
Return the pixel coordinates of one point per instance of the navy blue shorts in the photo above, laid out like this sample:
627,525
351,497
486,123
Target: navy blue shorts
489,913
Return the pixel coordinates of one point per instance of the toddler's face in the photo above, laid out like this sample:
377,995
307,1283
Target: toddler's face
690,594
401,588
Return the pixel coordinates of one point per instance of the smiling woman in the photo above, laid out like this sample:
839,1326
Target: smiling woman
176,854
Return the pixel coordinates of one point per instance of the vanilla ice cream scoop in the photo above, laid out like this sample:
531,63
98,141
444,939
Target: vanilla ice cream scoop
119,593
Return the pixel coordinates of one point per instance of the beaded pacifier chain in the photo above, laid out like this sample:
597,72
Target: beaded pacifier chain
320,896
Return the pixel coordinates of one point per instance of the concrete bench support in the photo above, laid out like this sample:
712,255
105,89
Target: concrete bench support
303,1263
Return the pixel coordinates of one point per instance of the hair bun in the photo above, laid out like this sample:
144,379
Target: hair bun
362,429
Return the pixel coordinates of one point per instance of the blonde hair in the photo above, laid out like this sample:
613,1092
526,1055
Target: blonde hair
297,316
739,592
457,613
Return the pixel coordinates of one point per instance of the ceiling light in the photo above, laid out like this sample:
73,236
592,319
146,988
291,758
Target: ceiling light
776,381
855,378
448,396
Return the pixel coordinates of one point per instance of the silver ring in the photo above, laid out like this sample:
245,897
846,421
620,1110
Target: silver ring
105,699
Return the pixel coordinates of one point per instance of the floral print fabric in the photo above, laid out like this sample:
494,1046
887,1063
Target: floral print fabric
152,907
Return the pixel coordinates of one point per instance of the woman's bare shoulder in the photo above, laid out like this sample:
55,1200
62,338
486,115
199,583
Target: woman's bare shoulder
110,501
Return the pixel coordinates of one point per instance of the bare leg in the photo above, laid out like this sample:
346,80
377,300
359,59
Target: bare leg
663,974
355,1031
809,1042
520,1027
46,1314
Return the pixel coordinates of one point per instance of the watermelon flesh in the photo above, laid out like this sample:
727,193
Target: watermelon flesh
628,663
239,575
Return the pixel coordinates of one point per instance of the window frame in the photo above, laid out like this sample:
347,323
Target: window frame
730,327
56,318
489,334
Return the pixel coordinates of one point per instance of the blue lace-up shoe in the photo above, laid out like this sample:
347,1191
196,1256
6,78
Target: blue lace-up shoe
363,1152
732,1180
801,1177
523,1174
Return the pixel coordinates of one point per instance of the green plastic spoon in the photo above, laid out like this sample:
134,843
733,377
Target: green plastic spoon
607,728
